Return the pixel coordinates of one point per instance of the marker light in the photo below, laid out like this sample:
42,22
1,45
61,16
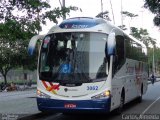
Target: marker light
42,95
38,92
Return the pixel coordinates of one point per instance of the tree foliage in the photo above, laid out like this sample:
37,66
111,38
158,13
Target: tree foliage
13,47
104,15
142,35
154,7
31,13
156,58
19,21
128,14
123,27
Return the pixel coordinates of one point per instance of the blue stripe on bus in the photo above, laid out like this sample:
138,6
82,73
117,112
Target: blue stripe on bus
52,105
78,23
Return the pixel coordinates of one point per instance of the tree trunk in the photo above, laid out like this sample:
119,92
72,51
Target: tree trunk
5,79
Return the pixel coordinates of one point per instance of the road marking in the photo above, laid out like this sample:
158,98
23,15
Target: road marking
149,106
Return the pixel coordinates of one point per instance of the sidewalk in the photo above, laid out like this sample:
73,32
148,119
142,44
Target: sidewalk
33,86
22,88
25,87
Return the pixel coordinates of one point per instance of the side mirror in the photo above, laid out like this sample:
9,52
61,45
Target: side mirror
111,44
33,42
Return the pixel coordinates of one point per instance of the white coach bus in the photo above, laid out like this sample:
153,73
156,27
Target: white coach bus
87,64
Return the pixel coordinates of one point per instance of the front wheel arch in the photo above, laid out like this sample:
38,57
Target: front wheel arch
139,99
122,102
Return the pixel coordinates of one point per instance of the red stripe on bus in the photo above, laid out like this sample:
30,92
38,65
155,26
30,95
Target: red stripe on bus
44,83
50,83
54,87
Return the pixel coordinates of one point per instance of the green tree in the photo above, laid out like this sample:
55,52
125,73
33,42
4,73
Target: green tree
142,35
154,7
156,58
129,15
13,47
19,21
123,27
104,15
31,13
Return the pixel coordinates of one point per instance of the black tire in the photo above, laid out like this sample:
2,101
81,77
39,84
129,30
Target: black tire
119,110
139,99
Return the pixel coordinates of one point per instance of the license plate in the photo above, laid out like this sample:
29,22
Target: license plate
70,105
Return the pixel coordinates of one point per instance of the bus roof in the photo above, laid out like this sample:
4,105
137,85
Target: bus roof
88,24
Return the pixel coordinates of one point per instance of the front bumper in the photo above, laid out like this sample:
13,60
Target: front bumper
52,105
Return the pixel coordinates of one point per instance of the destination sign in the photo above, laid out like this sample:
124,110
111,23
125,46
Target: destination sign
78,23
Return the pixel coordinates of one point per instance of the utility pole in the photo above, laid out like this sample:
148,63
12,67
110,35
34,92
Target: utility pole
101,13
142,18
112,12
101,6
153,62
121,13
63,5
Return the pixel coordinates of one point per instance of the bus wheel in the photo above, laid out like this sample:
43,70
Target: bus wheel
139,99
120,108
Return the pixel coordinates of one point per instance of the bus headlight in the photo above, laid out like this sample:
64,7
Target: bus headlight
42,95
105,94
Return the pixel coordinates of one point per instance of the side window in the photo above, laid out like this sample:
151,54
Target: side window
135,50
120,53
144,55
128,47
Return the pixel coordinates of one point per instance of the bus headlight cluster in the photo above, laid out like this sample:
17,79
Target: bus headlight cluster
105,94
42,95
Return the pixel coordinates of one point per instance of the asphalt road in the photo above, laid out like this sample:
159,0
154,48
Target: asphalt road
25,103
18,102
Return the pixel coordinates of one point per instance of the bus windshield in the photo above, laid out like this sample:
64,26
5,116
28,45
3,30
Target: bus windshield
73,57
